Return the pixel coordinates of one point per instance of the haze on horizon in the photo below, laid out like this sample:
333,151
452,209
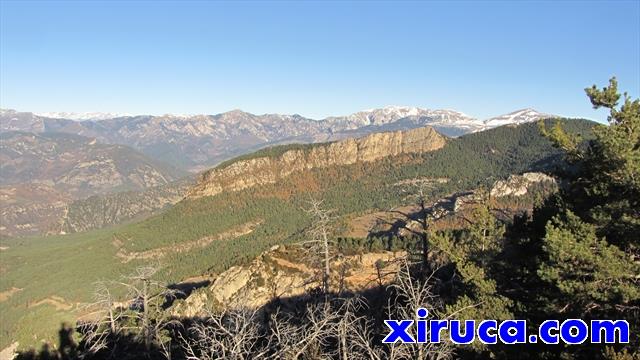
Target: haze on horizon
314,59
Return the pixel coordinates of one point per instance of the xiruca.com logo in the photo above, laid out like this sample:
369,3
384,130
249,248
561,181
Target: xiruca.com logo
570,331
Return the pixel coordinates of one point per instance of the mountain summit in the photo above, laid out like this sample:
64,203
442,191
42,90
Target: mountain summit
516,117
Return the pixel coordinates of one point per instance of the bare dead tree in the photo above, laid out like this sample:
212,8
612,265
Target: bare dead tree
330,329
149,297
240,334
359,341
426,213
320,243
231,334
298,338
102,322
424,216
145,314
353,332
413,293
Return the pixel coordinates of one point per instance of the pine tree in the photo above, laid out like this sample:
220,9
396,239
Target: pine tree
605,186
593,274
591,247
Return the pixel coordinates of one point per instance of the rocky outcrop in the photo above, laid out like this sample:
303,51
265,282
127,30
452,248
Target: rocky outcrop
280,273
519,185
9,352
262,170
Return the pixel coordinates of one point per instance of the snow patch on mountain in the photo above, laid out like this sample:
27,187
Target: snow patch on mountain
516,117
418,116
82,116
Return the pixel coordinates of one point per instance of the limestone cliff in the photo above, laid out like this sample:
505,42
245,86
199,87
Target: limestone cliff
282,273
519,185
262,170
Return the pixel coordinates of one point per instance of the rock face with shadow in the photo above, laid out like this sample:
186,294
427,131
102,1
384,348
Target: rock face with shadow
519,185
283,273
268,169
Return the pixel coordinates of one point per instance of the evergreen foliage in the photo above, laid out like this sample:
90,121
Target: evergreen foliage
578,256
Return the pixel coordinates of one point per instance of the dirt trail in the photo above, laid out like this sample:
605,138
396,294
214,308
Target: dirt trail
5,295
238,231
55,301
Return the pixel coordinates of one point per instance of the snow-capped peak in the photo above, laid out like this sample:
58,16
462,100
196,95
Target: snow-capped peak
81,116
516,117
401,110
392,113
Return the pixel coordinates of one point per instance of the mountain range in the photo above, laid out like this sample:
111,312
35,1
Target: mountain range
82,171
197,142
77,165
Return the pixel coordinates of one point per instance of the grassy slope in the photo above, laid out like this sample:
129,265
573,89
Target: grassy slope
67,266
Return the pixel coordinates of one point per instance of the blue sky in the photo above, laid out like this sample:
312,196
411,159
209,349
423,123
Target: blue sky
315,58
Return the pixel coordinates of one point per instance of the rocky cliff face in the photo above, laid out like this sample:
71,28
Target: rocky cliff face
281,273
519,185
262,170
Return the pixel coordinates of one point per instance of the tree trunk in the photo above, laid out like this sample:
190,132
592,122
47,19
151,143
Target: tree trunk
112,321
145,316
327,268
424,236
343,343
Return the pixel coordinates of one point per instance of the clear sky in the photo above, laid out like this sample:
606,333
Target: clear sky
315,58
